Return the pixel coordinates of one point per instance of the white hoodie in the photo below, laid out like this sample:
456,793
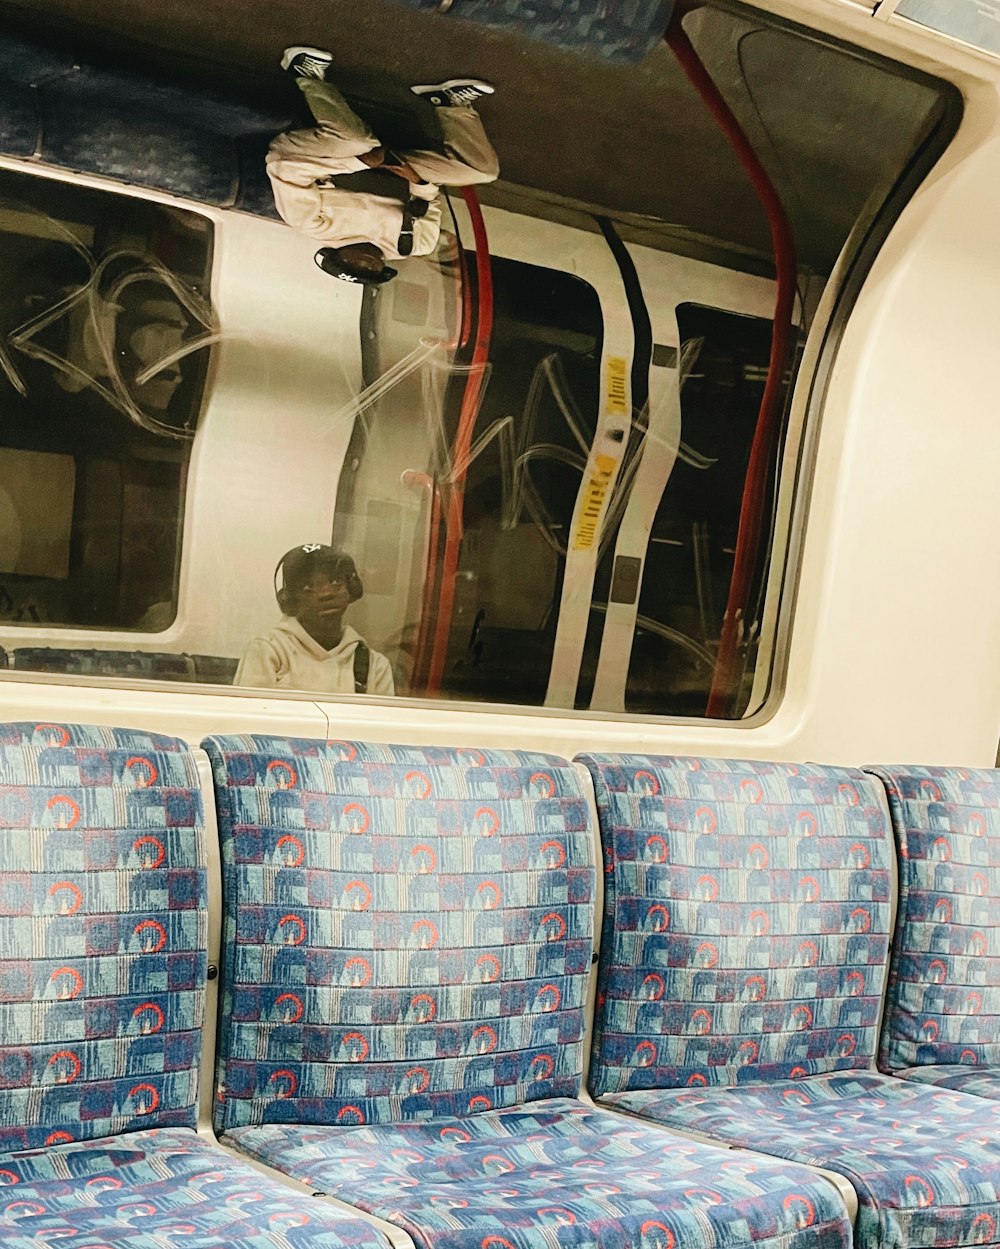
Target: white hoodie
288,658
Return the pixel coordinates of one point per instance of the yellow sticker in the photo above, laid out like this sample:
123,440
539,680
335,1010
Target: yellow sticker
617,393
597,489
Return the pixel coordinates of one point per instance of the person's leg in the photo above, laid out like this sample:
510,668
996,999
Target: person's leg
331,110
467,155
302,156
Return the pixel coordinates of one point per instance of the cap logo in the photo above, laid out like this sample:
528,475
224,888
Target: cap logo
309,547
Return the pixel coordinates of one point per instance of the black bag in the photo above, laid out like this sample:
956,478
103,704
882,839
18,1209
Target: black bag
362,662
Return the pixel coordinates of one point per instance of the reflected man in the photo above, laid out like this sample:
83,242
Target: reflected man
340,185
311,648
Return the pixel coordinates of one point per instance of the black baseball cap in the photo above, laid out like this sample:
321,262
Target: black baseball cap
302,562
329,260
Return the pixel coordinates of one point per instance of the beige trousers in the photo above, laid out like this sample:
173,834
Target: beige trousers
466,156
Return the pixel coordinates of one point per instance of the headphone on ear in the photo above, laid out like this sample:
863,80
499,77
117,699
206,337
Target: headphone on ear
296,562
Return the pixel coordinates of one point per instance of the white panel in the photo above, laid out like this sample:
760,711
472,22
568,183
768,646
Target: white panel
975,22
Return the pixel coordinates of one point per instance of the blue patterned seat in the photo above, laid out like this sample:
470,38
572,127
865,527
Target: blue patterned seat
942,1019
408,937
747,913
148,1189
103,925
925,1162
607,32
556,1171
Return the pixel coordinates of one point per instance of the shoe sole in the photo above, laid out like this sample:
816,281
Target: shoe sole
439,88
319,54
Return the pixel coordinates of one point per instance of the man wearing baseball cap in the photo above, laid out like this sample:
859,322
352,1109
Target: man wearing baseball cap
340,185
311,648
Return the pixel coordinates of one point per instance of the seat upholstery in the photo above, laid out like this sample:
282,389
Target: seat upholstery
961,1079
132,126
942,1019
103,964
557,1172
408,931
149,1189
747,909
746,921
601,31
102,932
924,1161
408,936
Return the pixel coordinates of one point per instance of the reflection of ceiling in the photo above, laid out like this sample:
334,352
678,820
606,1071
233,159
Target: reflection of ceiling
833,128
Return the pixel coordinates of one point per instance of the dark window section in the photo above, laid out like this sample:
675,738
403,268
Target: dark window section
101,296
689,560
545,357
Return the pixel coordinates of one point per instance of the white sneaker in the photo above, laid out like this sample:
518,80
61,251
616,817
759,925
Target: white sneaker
306,62
454,93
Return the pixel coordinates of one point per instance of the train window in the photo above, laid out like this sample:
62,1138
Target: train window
101,379
536,450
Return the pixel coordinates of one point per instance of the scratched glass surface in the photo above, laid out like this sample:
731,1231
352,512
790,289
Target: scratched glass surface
535,451
104,341
529,549
468,491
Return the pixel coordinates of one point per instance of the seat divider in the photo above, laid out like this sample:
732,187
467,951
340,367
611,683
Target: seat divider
210,1028
893,913
590,1008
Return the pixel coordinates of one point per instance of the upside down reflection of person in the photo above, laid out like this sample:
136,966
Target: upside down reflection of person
338,184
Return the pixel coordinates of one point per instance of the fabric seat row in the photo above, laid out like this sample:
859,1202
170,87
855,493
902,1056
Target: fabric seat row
406,952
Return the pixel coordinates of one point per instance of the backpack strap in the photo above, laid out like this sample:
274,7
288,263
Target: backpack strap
362,662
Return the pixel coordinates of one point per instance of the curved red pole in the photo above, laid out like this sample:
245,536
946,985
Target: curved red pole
463,444
463,333
726,676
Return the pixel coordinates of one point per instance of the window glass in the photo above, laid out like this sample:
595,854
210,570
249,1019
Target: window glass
515,473
539,405
104,321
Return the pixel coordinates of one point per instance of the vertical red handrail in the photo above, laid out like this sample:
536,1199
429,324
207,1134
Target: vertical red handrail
745,557
462,445
457,344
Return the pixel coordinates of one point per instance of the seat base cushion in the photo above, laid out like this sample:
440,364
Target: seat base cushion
556,1172
144,1190
962,1079
925,1161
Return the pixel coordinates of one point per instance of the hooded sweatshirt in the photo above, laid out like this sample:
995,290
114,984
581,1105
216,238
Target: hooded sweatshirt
288,658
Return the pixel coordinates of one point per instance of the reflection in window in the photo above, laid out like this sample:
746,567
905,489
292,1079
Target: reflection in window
536,423
551,525
519,496
689,560
102,317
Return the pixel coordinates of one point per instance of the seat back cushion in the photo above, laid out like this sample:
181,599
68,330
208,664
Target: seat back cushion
944,982
408,931
103,927
746,920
